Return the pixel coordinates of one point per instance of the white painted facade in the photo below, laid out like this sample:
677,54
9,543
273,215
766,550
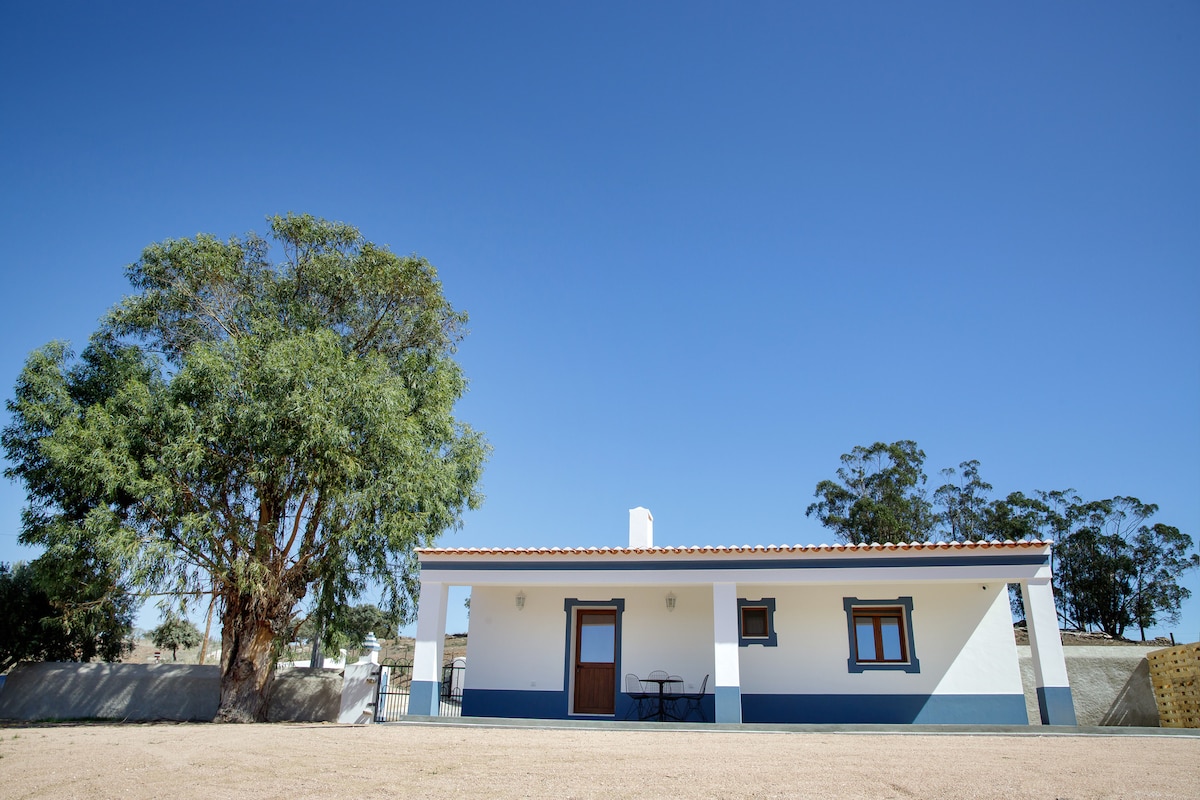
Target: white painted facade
677,610
963,633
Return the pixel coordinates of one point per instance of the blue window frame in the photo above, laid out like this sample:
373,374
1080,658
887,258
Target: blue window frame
756,622
881,635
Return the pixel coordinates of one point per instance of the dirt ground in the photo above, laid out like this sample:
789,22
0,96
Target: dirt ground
91,760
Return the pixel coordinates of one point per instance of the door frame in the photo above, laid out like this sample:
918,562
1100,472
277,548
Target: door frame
570,606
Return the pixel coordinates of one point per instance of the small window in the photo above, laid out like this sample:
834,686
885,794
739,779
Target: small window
881,634
756,622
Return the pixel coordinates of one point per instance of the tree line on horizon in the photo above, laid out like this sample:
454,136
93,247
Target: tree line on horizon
1113,569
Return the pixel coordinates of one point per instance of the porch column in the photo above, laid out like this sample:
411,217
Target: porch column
425,692
727,680
1049,666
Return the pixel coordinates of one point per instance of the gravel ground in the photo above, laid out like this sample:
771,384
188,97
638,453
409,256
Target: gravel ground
93,760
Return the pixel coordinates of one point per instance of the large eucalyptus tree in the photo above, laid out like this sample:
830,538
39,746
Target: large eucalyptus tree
879,495
257,428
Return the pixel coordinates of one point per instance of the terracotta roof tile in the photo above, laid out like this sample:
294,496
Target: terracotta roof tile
727,549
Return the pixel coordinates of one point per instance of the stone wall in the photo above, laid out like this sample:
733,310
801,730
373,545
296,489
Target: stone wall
145,692
1110,685
306,695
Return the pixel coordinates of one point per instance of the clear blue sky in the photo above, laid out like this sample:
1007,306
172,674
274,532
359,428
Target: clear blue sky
706,248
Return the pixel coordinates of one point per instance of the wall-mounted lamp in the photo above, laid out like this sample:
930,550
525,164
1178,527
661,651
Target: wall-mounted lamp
670,601
520,601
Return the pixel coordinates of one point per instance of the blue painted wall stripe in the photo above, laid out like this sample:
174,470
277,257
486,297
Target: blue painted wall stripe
728,703
424,698
534,564
942,709
525,704
1056,705
516,703
990,709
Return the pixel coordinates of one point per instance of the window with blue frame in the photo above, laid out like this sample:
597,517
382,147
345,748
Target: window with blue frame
881,635
756,622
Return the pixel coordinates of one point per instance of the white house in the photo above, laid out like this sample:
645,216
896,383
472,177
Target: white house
905,633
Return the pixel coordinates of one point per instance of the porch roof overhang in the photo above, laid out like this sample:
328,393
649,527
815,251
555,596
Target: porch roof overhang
771,564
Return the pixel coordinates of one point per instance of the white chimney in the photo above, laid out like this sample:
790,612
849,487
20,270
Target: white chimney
641,528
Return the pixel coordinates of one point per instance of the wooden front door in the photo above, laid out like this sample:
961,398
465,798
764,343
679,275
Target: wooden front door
595,661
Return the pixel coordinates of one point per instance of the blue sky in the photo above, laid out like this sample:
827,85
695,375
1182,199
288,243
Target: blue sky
706,248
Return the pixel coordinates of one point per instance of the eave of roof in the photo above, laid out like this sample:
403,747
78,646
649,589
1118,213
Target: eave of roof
734,549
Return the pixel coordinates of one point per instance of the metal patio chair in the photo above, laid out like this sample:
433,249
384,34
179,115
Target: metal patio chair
640,697
695,702
673,694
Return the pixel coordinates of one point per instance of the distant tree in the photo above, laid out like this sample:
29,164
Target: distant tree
878,496
1015,517
174,633
37,624
1160,557
349,628
1113,569
257,427
962,504
361,620
23,606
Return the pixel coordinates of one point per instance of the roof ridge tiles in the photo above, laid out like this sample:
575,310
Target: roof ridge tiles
823,547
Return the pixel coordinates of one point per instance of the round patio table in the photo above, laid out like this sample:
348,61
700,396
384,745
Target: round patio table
663,695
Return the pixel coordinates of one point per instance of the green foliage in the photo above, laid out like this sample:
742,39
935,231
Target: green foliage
962,504
258,428
173,633
878,496
348,628
1016,517
1160,556
1112,568
37,623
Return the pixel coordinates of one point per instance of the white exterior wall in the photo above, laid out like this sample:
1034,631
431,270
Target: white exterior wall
511,649
678,641
525,650
811,657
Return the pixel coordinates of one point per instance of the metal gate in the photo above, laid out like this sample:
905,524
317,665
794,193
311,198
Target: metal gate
395,683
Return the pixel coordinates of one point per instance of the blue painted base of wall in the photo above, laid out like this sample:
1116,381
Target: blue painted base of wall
520,704
514,703
938,709
424,698
1056,705
728,703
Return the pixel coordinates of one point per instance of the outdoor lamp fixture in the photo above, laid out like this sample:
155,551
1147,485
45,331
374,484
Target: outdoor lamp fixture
670,601
520,601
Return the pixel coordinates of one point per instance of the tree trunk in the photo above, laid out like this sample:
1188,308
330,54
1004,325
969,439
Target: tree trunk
247,636
316,658
207,628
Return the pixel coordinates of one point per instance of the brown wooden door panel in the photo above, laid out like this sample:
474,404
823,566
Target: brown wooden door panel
595,661
594,689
